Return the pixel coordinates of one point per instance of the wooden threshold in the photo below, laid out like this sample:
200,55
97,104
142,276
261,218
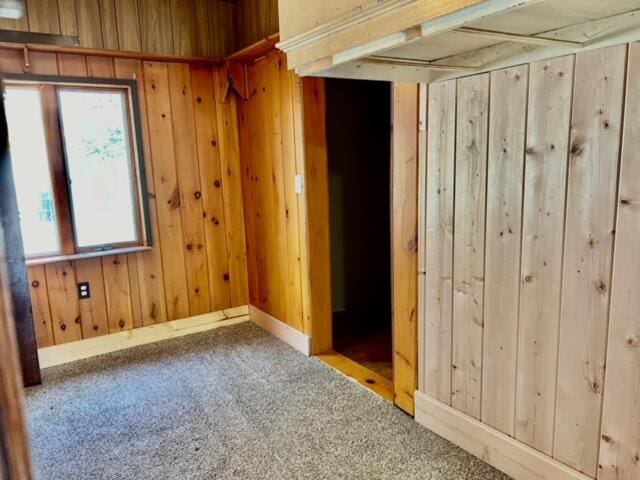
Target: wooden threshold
367,378
91,347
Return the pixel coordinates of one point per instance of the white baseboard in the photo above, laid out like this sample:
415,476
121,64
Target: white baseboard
491,446
91,347
281,330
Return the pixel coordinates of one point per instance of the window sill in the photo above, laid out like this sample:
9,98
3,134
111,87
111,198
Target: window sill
80,256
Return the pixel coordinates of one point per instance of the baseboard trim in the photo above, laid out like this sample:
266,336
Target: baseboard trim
91,347
281,330
491,446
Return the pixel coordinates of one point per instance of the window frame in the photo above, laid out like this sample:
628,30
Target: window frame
49,86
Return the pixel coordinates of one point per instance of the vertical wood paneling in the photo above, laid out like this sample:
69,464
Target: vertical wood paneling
404,241
591,198
109,24
43,16
439,238
93,310
508,113
207,144
118,293
468,245
542,239
40,306
620,438
167,190
188,171
255,20
155,26
184,27
149,264
128,23
63,301
89,23
67,14
231,172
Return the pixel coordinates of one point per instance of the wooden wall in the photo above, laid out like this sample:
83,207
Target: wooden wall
255,20
170,27
532,271
272,154
198,261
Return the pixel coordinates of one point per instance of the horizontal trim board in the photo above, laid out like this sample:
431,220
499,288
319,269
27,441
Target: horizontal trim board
281,330
13,36
91,347
491,446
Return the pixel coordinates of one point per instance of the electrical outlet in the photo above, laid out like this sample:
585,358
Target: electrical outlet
84,291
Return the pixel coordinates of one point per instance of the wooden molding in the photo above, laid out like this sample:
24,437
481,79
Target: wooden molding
281,330
91,347
491,446
255,51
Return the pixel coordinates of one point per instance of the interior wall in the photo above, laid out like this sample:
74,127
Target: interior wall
198,260
272,155
359,153
171,27
531,272
255,20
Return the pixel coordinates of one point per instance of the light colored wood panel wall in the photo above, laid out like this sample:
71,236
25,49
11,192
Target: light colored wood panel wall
549,108
170,27
468,243
560,295
438,243
140,290
589,232
508,113
620,437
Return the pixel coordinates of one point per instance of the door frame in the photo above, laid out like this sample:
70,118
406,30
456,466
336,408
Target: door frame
404,229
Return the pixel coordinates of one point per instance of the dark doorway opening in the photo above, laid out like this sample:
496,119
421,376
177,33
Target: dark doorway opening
359,153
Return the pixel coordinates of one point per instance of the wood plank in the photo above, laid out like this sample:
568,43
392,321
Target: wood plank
287,80
367,378
92,347
490,445
40,305
118,293
191,206
67,15
155,26
100,67
184,27
404,242
222,29
202,28
620,437
109,24
134,287
549,107
596,127
439,239
280,329
93,311
229,146
21,24
63,300
507,117
167,190
43,16
73,65
150,274
43,63
89,27
468,243
16,463
11,61
215,225
423,138
128,25
317,198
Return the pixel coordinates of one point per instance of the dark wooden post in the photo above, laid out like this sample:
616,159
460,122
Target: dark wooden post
17,270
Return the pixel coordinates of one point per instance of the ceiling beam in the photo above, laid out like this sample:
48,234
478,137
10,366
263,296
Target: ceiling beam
519,38
412,62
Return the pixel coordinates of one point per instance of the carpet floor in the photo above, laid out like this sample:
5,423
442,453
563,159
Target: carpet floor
229,403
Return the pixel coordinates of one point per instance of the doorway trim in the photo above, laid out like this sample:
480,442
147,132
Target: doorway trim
404,230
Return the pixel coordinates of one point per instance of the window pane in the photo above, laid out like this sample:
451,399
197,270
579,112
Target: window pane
96,137
31,172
